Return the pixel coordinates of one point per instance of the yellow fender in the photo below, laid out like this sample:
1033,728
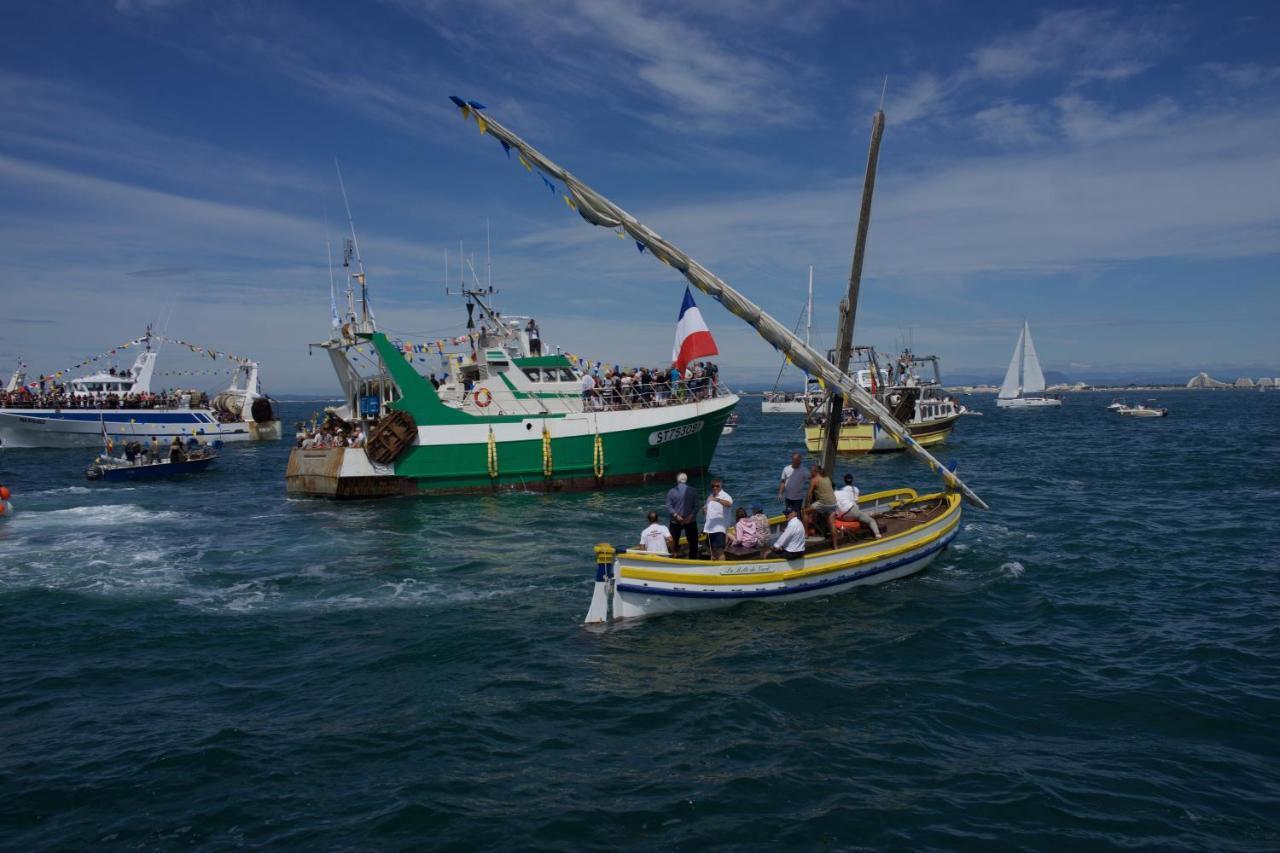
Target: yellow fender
493,454
597,460
546,452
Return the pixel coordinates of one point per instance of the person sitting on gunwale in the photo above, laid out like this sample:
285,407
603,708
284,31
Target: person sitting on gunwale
790,542
176,453
656,539
762,523
847,510
822,496
745,538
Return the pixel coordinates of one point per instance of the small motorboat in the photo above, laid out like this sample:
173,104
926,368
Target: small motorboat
1145,410
118,468
730,424
1118,404
914,528
972,413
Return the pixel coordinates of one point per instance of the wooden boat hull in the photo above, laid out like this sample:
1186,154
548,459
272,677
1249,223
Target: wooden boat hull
869,438
640,585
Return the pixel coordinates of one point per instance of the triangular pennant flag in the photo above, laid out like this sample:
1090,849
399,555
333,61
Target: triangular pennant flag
571,202
484,127
506,146
640,247
524,162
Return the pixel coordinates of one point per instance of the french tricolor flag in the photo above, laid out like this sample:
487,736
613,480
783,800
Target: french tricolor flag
693,338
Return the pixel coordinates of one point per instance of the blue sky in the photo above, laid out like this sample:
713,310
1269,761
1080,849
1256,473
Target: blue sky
1110,173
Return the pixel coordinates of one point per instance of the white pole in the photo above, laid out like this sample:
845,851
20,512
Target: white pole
808,329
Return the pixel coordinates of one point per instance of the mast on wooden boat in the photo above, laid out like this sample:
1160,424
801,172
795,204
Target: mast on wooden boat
849,305
598,210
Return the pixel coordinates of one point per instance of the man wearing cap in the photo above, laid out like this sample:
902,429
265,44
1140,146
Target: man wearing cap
682,508
790,542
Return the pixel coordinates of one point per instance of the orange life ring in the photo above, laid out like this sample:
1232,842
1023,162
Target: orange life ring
488,397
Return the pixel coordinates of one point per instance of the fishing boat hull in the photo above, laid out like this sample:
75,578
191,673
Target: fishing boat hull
1028,402
576,452
641,585
26,428
870,438
159,470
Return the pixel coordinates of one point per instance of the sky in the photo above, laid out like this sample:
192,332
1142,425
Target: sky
1109,173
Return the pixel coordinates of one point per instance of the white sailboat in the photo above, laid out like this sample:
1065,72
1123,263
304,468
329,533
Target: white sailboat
1023,386
777,402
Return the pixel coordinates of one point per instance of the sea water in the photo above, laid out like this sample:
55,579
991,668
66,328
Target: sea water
206,663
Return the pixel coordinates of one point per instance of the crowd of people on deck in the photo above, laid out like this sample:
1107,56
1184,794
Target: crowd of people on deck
642,387
136,452
813,507
58,396
332,432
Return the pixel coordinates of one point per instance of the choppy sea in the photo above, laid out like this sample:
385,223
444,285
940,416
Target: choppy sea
1095,664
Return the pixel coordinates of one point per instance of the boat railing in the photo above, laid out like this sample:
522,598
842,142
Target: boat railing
600,399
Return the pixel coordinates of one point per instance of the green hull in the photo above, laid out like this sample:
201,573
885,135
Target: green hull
627,457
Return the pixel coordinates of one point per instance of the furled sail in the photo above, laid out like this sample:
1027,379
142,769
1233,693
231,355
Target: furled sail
599,210
1012,386
1032,375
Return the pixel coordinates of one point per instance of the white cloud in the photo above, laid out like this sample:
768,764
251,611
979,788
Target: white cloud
1088,44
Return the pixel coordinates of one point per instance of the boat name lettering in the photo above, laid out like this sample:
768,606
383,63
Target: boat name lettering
662,436
746,570
31,420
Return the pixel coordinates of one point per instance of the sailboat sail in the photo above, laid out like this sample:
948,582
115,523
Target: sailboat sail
1032,375
598,210
1011,387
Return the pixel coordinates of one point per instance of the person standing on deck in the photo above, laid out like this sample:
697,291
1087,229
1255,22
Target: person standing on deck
655,538
535,340
794,485
682,507
715,525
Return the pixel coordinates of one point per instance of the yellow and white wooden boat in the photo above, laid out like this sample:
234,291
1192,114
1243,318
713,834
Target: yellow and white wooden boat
915,529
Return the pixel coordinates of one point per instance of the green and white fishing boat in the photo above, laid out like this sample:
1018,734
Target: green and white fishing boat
507,416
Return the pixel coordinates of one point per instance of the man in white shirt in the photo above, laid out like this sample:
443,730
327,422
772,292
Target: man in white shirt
847,510
716,525
655,538
790,542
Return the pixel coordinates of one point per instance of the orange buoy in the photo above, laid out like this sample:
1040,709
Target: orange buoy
3,506
4,493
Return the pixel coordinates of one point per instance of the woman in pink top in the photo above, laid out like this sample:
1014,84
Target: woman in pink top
744,538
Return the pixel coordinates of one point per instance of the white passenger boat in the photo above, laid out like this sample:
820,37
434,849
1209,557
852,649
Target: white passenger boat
1144,410
915,529
123,403
1023,386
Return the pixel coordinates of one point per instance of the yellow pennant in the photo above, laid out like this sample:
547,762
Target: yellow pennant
571,202
484,126
466,111
524,162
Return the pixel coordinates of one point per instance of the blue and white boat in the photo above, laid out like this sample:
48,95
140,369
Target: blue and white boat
122,402
114,469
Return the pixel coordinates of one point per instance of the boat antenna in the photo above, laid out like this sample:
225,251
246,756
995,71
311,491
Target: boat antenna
488,257
355,244
883,88
333,288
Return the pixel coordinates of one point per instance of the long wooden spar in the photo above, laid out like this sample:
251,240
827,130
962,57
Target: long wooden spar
598,210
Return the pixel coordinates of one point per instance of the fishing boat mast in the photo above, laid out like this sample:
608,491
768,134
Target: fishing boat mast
849,305
598,210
